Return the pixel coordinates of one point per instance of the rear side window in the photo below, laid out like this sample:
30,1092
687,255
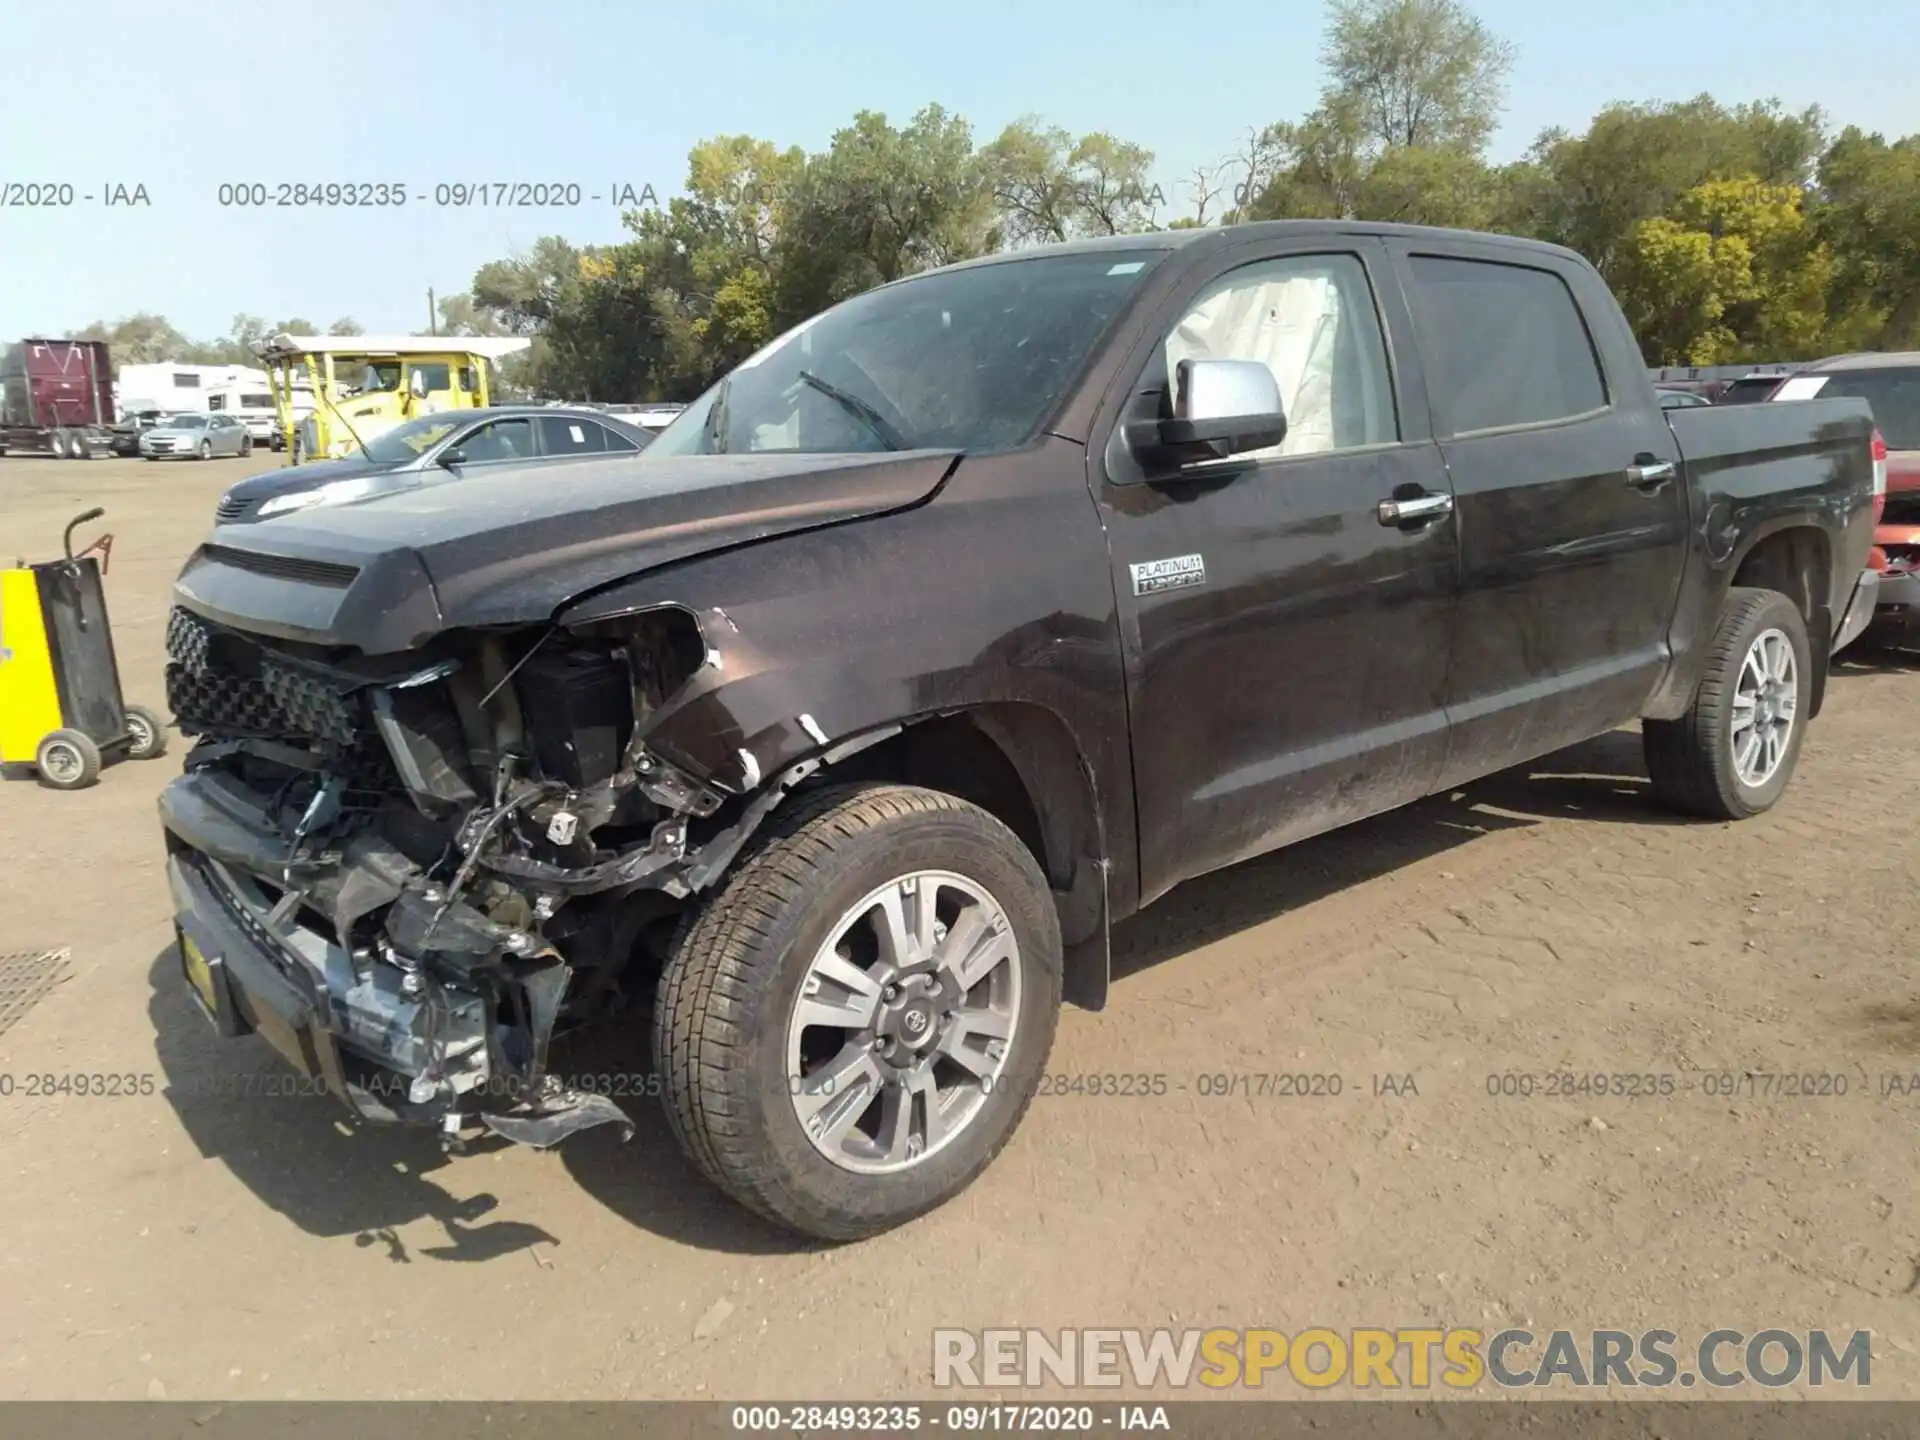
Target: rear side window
1506,343
563,435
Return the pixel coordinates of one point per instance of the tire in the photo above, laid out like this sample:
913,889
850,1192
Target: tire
206,449
79,447
1693,760
67,760
57,443
727,998
149,733
246,446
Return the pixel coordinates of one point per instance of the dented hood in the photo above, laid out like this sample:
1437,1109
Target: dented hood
515,544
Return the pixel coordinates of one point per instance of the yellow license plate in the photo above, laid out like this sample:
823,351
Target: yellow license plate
199,973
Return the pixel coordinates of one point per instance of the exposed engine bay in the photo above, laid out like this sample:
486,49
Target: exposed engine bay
449,855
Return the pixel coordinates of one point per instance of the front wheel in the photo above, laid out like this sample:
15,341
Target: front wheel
1731,755
57,443
852,1027
206,449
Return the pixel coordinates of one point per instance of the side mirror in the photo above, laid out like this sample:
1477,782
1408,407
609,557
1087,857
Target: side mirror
419,385
452,457
1220,408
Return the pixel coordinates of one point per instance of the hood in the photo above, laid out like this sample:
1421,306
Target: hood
516,544
292,479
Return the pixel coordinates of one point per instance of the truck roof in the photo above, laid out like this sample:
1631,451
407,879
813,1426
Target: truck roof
493,347
1258,230
1866,360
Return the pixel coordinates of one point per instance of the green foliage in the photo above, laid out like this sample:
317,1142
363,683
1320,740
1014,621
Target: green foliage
1418,72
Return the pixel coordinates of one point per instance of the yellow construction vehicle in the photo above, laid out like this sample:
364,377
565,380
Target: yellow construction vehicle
361,385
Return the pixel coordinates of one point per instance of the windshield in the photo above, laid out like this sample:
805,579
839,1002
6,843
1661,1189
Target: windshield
409,441
382,376
187,422
970,359
1894,396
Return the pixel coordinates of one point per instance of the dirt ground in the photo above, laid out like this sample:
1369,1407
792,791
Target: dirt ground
209,1240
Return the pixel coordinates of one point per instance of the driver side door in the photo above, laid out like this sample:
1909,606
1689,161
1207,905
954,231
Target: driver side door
1286,644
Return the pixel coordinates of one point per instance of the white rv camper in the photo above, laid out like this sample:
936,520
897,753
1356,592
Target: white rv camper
252,401
172,387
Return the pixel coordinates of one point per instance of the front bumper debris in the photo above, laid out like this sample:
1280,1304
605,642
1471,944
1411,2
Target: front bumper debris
415,1032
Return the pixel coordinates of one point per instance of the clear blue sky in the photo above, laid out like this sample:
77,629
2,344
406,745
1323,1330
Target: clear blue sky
180,98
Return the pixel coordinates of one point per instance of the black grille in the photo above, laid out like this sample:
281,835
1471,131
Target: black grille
1903,508
283,567
217,681
232,507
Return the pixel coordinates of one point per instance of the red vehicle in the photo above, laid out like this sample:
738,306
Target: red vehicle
56,398
1890,383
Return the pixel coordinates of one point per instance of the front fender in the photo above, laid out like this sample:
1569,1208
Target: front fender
818,638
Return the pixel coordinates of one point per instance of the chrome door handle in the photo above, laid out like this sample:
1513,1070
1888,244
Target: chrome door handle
1422,507
1657,473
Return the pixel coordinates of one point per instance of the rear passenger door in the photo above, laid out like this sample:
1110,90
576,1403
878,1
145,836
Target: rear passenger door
1571,512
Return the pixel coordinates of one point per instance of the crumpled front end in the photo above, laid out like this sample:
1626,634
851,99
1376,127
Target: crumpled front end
411,873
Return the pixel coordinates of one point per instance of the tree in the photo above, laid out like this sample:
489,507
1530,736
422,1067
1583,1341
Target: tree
883,203
1050,187
1634,162
1419,72
1871,219
1734,273
141,339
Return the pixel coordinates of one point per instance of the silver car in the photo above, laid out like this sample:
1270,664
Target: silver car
202,436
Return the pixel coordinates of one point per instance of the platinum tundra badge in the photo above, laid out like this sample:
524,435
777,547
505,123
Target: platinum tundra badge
1177,573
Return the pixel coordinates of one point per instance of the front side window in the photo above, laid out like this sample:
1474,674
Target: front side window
1310,319
500,440
1505,344
972,359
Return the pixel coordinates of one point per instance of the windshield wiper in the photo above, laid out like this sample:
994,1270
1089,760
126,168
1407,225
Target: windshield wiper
875,421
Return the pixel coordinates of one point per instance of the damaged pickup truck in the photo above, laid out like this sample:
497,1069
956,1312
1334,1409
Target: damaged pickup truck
830,737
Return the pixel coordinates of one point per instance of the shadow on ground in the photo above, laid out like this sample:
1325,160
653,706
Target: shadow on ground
300,1153
1602,779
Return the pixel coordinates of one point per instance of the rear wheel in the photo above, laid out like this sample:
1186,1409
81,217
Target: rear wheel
246,446
853,1026
57,443
1731,755
67,760
206,449
148,733
79,447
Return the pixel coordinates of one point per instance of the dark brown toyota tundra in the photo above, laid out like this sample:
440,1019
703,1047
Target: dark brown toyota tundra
836,731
